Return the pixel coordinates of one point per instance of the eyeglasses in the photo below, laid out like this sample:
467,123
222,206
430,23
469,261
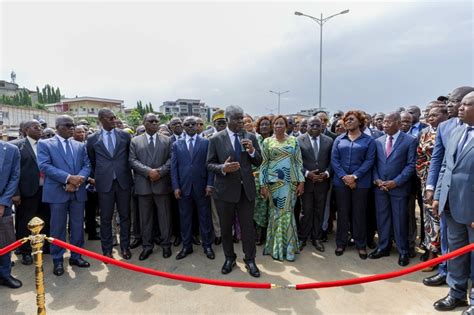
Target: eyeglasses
68,125
153,121
189,124
314,125
200,124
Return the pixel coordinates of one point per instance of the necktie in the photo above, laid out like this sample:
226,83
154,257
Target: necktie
191,147
151,144
462,143
110,143
389,146
69,155
237,147
315,148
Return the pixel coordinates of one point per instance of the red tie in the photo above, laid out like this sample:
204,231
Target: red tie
389,146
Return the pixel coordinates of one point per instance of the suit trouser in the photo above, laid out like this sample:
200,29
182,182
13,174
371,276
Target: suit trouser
186,218
59,214
91,212
5,260
27,210
245,210
215,218
459,268
107,201
371,217
160,204
443,237
392,210
351,201
312,213
135,217
175,225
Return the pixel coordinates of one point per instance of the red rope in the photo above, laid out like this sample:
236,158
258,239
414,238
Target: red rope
384,276
11,247
153,272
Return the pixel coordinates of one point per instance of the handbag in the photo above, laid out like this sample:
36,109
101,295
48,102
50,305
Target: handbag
7,231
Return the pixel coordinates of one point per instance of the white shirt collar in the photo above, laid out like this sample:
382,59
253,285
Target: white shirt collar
395,136
148,136
61,138
187,137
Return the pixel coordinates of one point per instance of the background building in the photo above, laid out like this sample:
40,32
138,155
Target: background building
187,107
83,107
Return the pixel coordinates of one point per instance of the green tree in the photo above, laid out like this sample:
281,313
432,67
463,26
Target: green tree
134,119
58,95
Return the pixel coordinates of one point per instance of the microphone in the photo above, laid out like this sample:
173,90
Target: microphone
241,134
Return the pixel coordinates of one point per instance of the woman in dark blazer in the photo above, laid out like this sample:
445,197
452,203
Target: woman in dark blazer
353,156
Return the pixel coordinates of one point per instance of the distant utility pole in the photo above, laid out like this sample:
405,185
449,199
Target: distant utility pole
279,94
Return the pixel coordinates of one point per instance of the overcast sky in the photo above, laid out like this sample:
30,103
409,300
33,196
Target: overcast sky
379,56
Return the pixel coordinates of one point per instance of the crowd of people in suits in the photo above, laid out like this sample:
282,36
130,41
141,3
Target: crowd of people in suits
275,182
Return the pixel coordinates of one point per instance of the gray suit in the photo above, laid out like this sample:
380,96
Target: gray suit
315,194
234,192
150,194
455,193
113,182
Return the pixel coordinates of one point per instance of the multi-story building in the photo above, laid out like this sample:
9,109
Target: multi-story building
186,107
83,107
311,111
11,89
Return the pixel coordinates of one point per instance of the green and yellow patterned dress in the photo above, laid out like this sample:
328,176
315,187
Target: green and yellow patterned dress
281,171
261,205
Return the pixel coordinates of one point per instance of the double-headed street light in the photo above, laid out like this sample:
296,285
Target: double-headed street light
321,22
279,94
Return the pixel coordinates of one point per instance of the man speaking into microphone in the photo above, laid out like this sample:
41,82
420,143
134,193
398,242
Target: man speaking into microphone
231,154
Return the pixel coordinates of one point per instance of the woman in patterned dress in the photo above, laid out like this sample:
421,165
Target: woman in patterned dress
281,179
425,149
264,130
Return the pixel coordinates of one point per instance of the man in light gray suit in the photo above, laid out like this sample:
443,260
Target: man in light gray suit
316,153
108,151
455,196
150,158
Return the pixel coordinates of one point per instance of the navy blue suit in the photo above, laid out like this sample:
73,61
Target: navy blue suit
57,167
190,175
392,206
10,170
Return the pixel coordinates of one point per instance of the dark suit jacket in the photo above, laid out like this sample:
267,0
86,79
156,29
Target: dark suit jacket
10,170
29,170
104,165
456,179
330,134
228,187
142,160
376,133
399,165
310,163
54,164
188,172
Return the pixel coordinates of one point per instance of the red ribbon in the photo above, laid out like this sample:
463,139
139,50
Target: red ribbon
11,247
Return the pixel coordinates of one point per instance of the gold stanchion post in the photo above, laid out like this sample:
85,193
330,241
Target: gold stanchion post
37,241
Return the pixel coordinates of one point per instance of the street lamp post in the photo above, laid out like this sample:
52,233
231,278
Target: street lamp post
279,94
321,22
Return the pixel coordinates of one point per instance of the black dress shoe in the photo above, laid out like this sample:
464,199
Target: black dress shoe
228,265
81,263
26,259
167,252
126,254
252,268
218,240
177,241
209,253
135,243
183,253
318,245
403,260
324,236
371,245
339,251
425,256
435,280
449,303
145,253
412,252
378,253
196,240
58,269
108,255
10,282
362,254
468,311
